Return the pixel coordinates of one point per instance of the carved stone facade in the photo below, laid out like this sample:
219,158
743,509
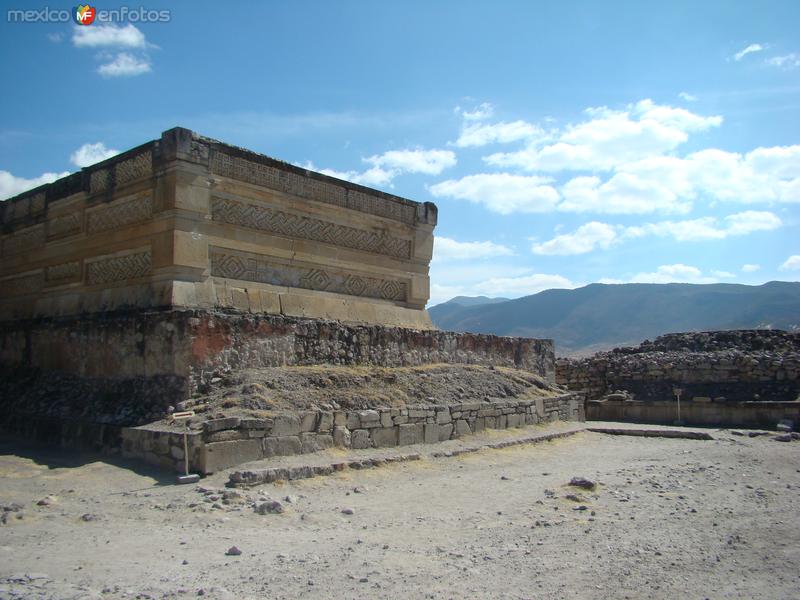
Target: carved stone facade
297,184
70,271
259,268
119,268
283,223
119,213
186,221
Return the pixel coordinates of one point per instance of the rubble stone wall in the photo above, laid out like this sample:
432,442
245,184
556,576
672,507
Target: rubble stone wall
733,366
127,368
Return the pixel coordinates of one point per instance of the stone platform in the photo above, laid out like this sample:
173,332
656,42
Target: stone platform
132,288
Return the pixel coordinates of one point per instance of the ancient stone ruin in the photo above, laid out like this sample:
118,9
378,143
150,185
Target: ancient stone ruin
187,274
738,377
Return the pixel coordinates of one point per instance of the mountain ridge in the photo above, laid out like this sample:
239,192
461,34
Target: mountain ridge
601,316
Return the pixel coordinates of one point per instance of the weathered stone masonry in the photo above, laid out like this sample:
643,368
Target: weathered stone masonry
186,221
747,377
227,442
742,365
143,362
130,286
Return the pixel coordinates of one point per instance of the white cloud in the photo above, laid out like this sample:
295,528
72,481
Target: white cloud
751,220
624,193
108,36
587,237
11,185
446,249
677,273
371,177
56,38
521,286
687,97
748,50
387,166
610,138
501,192
787,61
430,162
777,161
89,154
487,278
479,113
750,268
670,184
481,134
723,274
601,236
791,264
125,65
709,228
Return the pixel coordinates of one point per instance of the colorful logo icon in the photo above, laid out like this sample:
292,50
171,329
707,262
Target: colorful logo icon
84,14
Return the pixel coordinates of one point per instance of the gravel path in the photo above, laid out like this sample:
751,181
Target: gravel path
669,518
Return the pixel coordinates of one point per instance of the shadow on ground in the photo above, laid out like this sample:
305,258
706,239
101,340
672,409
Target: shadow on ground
54,457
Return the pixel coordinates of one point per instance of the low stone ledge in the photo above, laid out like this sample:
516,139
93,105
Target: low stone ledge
252,478
244,479
762,414
226,442
661,433
377,428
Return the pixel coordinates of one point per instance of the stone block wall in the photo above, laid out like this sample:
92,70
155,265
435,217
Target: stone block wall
221,443
226,442
737,366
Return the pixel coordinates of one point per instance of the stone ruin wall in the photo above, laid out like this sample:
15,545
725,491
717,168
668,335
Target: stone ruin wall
129,286
159,358
733,366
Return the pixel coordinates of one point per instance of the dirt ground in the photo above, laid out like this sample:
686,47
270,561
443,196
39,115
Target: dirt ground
669,518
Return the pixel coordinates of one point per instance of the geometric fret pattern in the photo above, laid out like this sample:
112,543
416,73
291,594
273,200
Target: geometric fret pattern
246,266
99,181
117,268
66,225
118,214
133,168
283,223
64,272
24,240
249,171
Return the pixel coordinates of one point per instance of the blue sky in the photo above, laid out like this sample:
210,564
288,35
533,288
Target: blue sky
564,142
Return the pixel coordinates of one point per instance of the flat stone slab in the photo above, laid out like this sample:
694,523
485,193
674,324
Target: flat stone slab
662,433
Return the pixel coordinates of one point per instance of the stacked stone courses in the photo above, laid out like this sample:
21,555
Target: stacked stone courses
744,365
187,221
230,441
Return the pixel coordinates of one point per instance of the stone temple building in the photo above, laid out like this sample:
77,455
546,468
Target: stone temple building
158,279
186,221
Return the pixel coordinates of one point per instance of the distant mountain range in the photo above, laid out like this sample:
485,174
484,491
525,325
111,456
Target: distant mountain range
599,316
